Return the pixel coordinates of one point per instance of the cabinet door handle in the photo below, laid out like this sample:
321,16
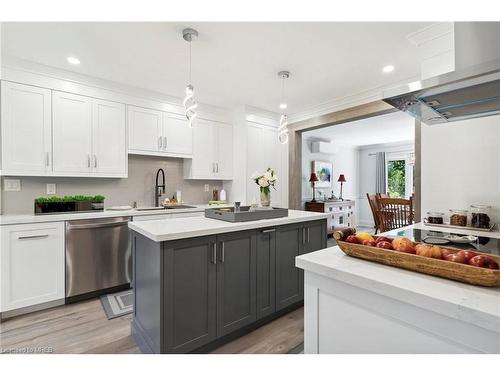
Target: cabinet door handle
213,167
159,142
222,251
303,235
88,161
217,164
268,230
32,237
214,253
47,159
165,143
308,235
95,161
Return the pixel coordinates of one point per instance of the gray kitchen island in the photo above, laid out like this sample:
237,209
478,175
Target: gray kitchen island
199,282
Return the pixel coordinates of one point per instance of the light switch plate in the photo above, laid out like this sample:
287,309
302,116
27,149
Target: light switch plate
51,189
207,187
12,185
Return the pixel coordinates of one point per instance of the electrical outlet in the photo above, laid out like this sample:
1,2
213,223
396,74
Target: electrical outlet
207,188
51,189
12,185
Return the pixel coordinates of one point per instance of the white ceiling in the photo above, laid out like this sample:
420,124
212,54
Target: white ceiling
233,63
393,127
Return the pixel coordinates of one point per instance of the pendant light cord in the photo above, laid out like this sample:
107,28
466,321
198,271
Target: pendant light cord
189,80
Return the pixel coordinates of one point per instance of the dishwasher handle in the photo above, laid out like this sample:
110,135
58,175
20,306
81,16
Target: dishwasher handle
97,225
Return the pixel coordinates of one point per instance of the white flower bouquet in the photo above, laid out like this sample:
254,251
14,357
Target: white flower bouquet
265,180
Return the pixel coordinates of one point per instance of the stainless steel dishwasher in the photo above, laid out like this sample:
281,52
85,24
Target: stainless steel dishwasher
98,257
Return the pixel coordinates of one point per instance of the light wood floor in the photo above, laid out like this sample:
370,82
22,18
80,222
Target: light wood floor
83,328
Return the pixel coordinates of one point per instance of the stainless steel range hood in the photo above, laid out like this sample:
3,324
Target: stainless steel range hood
467,93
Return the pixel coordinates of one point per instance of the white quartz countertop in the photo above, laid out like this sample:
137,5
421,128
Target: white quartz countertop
177,228
473,304
27,219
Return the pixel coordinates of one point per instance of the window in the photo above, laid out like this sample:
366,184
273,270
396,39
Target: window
400,171
396,181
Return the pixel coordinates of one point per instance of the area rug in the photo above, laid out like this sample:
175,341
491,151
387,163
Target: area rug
118,304
299,349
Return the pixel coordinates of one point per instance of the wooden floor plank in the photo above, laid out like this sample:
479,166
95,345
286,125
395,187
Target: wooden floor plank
83,328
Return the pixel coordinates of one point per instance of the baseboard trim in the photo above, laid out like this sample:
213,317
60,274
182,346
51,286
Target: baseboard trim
29,309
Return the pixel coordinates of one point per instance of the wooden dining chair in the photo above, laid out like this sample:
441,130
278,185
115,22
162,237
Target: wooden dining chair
394,213
372,201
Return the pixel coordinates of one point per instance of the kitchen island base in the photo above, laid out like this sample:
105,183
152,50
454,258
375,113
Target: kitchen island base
195,294
352,306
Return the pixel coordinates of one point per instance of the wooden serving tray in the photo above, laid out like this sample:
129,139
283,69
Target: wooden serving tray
430,266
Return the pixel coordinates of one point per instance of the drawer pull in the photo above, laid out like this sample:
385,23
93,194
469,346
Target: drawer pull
268,230
32,237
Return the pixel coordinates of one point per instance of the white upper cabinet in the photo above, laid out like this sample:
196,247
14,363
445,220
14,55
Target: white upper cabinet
158,133
89,136
212,152
72,133
109,138
145,130
26,129
177,135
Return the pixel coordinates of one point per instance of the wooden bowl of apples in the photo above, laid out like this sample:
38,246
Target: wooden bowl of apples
468,266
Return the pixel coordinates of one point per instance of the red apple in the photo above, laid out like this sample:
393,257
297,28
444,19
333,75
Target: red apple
383,239
446,252
369,243
467,254
457,258
483,261
385,245
352,239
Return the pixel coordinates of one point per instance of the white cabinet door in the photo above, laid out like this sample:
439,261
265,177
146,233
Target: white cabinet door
72,133
177,135
145,130
26,129
109,138
224,146
263,151
203,162
31,264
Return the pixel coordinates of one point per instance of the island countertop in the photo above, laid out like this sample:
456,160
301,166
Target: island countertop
178,228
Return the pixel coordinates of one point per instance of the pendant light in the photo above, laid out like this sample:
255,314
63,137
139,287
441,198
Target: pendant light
282,128
189,102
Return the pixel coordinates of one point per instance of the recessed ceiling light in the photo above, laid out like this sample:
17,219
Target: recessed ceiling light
388,68
283,106
73,60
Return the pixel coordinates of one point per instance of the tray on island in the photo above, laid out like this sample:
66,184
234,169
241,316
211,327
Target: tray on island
245,213
430,266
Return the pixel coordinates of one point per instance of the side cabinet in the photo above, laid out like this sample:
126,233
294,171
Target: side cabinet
289,285
190,293
236,281
266,272
31,265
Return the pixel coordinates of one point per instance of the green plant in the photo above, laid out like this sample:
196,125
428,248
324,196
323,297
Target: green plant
71,198
396,178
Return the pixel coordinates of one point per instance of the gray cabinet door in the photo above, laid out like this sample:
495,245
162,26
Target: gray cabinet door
289,279
236,281
315,236
190,294
266,272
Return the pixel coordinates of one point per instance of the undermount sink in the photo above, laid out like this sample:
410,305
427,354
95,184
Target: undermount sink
178,206
149,208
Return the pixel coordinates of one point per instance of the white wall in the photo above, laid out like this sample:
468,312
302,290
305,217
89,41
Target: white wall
366,177
460,165
344,161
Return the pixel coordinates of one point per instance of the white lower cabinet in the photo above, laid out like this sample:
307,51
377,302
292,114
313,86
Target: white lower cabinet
31,264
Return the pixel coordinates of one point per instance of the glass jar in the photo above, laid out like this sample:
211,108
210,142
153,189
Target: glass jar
435,217
458,218
480,216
